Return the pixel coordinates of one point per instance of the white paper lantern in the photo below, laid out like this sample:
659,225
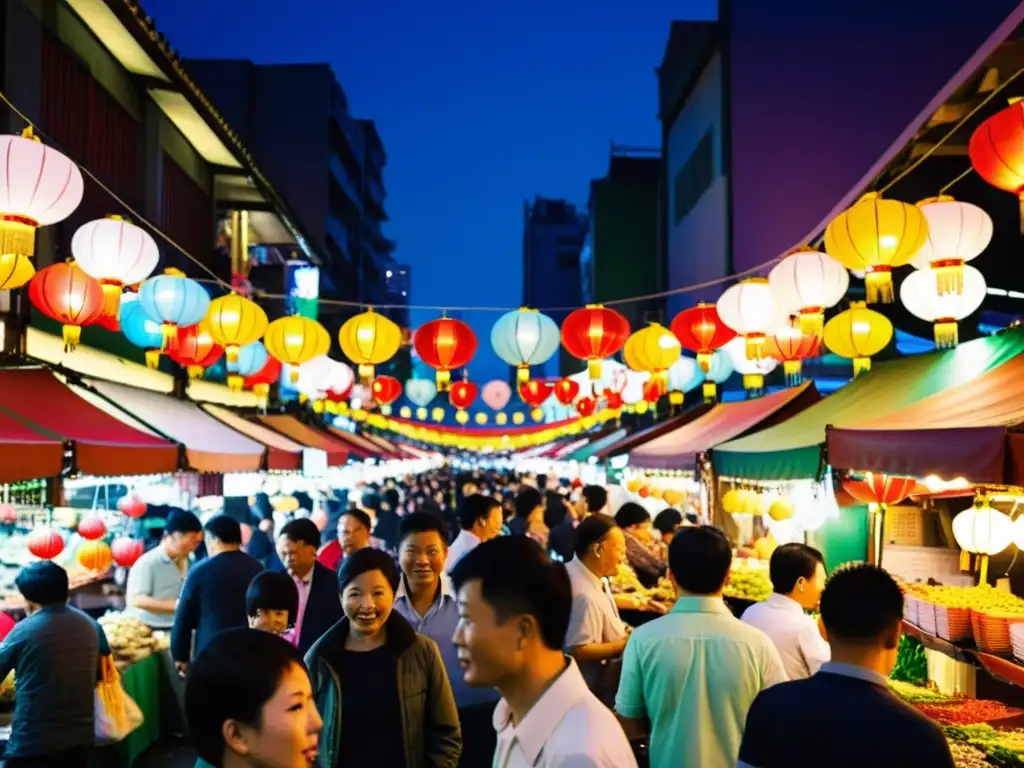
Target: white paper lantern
38,184
920,294
752,371
957,233
806,283
983,530
749,309
115,252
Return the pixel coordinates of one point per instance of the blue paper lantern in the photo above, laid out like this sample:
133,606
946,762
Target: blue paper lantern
251,359
525,337
173,301
140,330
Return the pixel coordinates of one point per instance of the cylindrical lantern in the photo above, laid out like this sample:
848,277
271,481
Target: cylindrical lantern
45,543
386,389
420,392
749,309
996,150
566,390
445,344
140,330
194,348
115,252
919,293
496,394
753,371
126,551
94,556
534,393
790,345
858,334
261,381
174,301
63,292
92,527
654,350
369,339
525,337
806,283
876,235
235,321
957,233
295,340
700,329
594,333
251,358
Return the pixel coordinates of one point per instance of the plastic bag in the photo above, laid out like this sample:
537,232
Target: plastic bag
117,714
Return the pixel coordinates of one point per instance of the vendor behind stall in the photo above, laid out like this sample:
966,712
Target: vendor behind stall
156,579
635,522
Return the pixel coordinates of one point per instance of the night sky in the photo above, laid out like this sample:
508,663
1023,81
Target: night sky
479,105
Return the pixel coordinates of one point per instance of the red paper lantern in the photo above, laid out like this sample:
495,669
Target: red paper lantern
566,390
996,150
65,293
92,527
790,346
445,344
194,348
126,551
131,506
386,389
880,488
534,392
261,381
462,394
594,333
8,514
700,329
653,390
45,543
109,320
585,406
94,556
613,399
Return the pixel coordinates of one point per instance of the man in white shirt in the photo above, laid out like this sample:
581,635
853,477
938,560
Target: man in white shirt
514,604
480,520
797,572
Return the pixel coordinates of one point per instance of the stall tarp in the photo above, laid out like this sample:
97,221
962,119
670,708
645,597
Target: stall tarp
960,432
25,454
793,449
210,446
631,441
389,449
357,446
678,449
104,445
337,451
584,453
282,453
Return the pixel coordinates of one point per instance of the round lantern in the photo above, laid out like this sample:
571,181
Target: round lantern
879,490
194,348
684,376
115,252
585,406
174,301
235,321
791,345
519,417
525,337
63,292
996,150
132,506
140,330
323,374
806,283
386,389
420,392
983,530
780,509
752,371
594,333
38,186
496,394
295,340
92,527
251,358
858,333
957,233
700,329
566,390
749,309
480,418
126,551
534,393
45,543
94,556
369,339
461,417
653,349
15,269
876,235
261,381
719,370
462,394
919,293
445,344
501,419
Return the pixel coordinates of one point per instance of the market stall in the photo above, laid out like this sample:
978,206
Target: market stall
282,453
592,448
634,439
336,451
358,446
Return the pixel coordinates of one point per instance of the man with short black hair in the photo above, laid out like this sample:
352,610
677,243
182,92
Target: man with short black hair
693,673
514,605
319,607
797,572
213,598
354,533
529,510
847,714
155,581
594,499
480,520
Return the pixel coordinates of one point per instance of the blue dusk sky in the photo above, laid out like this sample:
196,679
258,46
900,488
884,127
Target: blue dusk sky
479,105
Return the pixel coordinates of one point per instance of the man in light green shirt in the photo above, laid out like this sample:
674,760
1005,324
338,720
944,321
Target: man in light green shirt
690,676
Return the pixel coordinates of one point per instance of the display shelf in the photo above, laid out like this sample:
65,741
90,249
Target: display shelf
1001,668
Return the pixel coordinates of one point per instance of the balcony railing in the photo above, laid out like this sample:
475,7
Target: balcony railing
345,182
340,234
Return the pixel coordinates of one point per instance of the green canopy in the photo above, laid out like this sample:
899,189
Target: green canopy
594,446
793,449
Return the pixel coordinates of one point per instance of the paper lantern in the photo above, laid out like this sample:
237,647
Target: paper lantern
652,391
369,339
132,506
876,235
654,350
525,337
534,393
38,186
386,389
790,345
996,150
480,418
63,292
94,556
879,490
501,419
462,394
957,233
496,394
174,301
858,333
126,551
15,270
92,527
45,543
780,509
261,381
295,340
919,293
719,370
194,348
566,390
806,283
594,333
420,392
140,330
250,359
700,329
585,406
115,252
749,309
983,530
8,514
323,374
235,321
445,344
752,371
613,400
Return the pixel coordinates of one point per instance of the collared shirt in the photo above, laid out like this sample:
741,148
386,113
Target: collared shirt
794,633
464,542
302,585
157,576
439,625
694,673
594,617
568,726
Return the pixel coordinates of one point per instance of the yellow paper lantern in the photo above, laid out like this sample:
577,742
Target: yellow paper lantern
518,418
405,412
732,501
780,509
461,417
421,414
501,419
235,321
15,270
653,349
480,418
858,333
295,340
369,339
873,236
94,555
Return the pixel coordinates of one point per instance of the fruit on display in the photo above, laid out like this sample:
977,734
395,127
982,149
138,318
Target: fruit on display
911,662
966,711
780,509
918,694
1001,747
764,547
983,597
966,756
749,580
625,580
130,640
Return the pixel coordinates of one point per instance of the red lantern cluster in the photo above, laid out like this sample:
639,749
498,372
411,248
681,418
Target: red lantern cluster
45,543
92,528
566,390
386,389
131,506
700,329
462,394
534,392
65,293
791,347
594,333
445,344
126,551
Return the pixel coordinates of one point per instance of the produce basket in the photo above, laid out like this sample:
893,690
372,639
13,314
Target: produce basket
911,610
953,624
992,630
926,616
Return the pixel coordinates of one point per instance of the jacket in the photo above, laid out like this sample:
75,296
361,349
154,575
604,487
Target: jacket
323,607
430,721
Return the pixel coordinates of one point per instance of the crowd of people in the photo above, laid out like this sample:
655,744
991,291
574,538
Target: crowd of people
468,621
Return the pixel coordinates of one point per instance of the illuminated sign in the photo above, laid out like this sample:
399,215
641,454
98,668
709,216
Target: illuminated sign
302,287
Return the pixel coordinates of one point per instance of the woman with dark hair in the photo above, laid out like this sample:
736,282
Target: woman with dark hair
272,602
635,522
381,687
249,704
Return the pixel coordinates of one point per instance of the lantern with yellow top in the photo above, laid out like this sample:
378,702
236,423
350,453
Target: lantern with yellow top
654,350
235,321
984,531
858,334
295,340
369,339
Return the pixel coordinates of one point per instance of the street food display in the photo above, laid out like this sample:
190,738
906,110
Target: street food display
749,579
130,640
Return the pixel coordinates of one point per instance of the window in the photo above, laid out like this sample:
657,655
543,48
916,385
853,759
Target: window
694,177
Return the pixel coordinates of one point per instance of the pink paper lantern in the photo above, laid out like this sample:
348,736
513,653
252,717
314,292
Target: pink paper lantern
496,394
126,551
92,528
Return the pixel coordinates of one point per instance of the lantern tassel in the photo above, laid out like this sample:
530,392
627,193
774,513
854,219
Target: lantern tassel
261,390
231,353
878,285
983,570
293,374
794,371
704,360
111,299
965,560
366,372
861,365
152,358
753,383
710,391
812,321
523,373
170,333
949,276
235,382
676,398
72,335
946,333
195,371
594,369
755,346
443,379
18,235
